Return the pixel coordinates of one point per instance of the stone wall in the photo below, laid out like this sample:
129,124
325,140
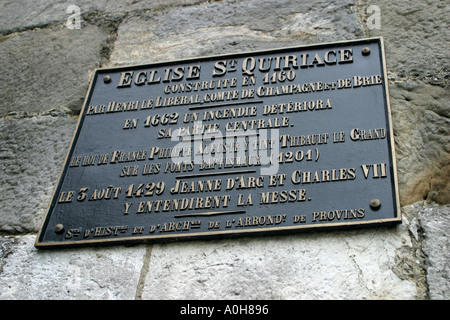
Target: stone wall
46,68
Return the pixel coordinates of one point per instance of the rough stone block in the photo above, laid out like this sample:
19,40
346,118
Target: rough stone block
91,273
228,27
17,16
332,265
48,68
435,222
32,152
421,124
416,35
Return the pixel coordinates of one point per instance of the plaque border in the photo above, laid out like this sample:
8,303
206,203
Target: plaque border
226,234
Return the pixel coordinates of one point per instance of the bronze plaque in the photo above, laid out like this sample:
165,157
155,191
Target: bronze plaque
251,143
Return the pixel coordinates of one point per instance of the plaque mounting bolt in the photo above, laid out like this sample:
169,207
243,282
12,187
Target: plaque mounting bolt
375,204
59,228
107,79
365,51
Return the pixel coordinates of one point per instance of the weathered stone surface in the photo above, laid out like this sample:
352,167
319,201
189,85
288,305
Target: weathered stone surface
421,117
435,222
48,68
6,247
404,262
416,36
428,224
92,273
16,16
225,27
356,264
32,152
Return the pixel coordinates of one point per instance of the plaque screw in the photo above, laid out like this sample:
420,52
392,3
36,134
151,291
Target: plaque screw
365,51
375,204
107,79
59,228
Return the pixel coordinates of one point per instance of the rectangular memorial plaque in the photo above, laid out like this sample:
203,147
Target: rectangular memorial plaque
251,143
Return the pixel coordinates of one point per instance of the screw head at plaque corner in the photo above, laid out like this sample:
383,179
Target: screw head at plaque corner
107,79
365,51
375,204
59,228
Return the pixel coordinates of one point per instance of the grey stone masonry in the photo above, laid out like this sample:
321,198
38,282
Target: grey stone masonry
46,70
